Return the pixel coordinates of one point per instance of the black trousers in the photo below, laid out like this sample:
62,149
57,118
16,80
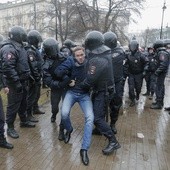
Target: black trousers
2,118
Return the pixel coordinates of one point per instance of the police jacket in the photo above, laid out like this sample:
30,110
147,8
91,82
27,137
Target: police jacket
75,71
14,62
162,57
35,62
118,57
152,63
49,77
136,63
99,70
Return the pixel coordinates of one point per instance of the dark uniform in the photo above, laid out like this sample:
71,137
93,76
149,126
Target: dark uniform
118,57
100,79
35,63
162,57
137,66
3,142
57,84
16,71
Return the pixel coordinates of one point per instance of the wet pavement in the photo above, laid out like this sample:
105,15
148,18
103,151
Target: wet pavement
144,135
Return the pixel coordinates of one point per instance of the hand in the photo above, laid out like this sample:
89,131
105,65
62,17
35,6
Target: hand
72,83
6,90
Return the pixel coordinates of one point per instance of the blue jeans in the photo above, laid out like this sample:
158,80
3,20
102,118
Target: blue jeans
86,105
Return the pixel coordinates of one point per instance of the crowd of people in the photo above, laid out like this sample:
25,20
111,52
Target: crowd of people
92,75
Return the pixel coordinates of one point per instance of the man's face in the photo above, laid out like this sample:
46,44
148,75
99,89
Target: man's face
79,56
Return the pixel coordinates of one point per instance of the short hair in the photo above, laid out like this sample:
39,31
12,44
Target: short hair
77,48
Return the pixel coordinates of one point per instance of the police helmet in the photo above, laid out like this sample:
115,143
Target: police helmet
34,38
93,40
51,47
18,34
69,43
158,44
133,46
110,39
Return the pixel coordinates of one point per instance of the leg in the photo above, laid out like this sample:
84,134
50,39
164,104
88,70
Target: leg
131,84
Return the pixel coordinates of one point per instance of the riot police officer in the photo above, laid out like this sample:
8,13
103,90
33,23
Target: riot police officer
118,57
150,76
137,66
100,79
52,60
35,62
162,57
16,71
3,141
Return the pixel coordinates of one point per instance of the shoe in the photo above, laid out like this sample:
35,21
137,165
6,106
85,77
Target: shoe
156,106
96,132
111,147
53,118
137,97
132,103
67,136
27,124
12,133
113,127
5,144
38,112
167,108
61,136
32,119
84,156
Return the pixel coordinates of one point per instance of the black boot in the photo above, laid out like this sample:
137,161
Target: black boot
113,145
61,134
27,124
38,112
167,108
113,127
146,94
67,136
30,117
12,132
158,105
84,156
53,118
4,143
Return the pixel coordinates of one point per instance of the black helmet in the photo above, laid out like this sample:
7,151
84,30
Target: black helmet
94,39
34,38
133,46
69,43
110,39
158,44
18,34
51,47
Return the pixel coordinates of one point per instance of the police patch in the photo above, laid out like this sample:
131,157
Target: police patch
162,57
9,56
31,57
92,69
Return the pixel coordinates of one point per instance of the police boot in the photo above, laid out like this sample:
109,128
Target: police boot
84,156
113,127
53,117
38,112
158,105
4,143
146,94
31,118
112,145
167,108
12,132
27,124
61,134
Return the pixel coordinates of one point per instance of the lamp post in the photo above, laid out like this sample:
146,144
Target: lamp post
163,10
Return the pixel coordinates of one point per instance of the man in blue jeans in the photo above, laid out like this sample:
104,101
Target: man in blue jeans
75,67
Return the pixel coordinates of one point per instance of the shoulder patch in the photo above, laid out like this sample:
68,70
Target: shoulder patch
31,57
162,57
9,56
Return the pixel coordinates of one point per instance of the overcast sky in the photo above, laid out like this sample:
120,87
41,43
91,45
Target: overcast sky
151,16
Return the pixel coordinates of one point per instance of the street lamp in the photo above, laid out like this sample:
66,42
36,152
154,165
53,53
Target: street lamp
163,10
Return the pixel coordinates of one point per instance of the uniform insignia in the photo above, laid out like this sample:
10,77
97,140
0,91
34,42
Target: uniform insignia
9,56
152,60
92,69
136,61
31,58
162,57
